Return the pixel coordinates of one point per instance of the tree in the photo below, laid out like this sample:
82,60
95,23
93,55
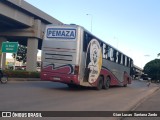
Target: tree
152,68
158,54
21,54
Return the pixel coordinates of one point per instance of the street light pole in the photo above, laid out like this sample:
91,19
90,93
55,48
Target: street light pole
91,20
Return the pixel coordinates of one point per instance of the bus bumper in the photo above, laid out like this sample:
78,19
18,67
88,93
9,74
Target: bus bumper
63,78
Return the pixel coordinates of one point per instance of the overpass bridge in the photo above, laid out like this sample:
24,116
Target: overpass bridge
23,23
137,72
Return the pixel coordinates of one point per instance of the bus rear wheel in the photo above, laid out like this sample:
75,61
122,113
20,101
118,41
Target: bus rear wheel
125,85
106,83
99,83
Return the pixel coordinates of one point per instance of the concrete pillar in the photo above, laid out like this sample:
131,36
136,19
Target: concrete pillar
32,50
2,57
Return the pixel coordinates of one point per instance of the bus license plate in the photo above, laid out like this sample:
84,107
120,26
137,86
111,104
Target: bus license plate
56,78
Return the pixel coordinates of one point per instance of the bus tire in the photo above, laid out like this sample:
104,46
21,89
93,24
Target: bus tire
125,85
99,83
106,83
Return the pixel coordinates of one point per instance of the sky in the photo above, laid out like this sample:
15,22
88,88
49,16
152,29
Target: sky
132,26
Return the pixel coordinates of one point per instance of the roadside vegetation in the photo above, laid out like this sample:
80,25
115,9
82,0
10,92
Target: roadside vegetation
20,71
21,54
21,74
152,68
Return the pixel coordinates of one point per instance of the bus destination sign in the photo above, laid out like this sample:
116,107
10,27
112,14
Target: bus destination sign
61,33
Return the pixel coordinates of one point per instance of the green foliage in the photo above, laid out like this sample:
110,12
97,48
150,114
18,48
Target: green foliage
21,54
152,68
21,74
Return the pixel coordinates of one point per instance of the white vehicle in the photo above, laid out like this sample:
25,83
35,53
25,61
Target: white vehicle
72,55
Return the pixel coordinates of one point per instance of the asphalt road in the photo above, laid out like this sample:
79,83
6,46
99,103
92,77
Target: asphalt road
50,96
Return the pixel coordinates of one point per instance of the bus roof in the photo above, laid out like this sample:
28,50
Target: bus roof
71,25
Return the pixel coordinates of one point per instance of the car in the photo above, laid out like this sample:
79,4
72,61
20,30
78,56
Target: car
145,77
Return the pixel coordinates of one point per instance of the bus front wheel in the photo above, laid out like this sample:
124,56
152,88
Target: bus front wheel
99,83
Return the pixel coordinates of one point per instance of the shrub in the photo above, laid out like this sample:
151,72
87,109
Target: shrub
21,74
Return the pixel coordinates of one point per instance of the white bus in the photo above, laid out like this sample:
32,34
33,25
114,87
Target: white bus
72,55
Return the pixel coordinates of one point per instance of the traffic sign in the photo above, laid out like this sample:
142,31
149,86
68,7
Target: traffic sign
9,47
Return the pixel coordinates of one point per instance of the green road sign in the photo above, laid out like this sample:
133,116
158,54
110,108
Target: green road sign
9,47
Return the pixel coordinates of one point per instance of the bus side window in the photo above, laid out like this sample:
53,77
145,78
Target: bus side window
132,71
85,42
131,63
86,39
128,61
111,54
115,55
123,59
119,58
108,53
